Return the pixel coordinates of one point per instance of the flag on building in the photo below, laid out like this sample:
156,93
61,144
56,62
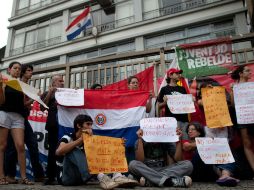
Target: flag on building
115,113
82,22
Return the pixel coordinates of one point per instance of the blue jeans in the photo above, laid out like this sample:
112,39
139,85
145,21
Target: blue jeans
75,169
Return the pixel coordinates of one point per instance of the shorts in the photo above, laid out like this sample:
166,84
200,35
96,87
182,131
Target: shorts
11,120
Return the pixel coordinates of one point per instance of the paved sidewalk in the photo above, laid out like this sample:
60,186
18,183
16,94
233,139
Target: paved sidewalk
244,185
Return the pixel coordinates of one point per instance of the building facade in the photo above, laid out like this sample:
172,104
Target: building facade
37,36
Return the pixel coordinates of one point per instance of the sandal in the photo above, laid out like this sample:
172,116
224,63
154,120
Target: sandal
11,180
26,181
3,181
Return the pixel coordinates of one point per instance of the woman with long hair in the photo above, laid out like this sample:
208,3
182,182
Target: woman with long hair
240,75
12,119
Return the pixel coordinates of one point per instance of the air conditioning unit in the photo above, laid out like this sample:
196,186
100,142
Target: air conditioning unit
107,5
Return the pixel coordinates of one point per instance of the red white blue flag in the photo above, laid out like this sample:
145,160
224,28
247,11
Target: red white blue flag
82,22
115,113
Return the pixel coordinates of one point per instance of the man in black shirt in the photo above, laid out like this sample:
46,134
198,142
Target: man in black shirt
172,88
52,127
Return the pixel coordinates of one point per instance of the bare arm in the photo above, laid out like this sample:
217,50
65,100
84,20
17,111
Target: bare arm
64,148
140,155
164,103
188,146
179,149
149,103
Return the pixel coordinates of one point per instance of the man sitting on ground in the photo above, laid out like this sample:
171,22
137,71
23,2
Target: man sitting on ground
152,166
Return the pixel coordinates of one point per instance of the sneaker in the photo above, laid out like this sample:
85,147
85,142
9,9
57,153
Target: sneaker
184,181
123,181
228,182
107,183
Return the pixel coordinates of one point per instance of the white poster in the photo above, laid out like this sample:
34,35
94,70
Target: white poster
214,151
161,129
244,102
179,104
70,97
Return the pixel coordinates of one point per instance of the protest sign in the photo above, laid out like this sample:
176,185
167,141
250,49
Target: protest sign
105,154
70,97
161,129
179,104
207,58
28,90
244,102
214,151
215,107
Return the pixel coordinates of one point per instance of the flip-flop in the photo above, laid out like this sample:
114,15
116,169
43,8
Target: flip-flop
227,181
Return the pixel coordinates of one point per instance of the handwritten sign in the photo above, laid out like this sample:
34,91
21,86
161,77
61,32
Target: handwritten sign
161,129
70,97
215,106
214,151
244,102
179,104
105,154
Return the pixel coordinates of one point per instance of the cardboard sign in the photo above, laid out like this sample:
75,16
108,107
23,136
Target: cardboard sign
70,97
161,129
179,104
214,151
215,107
244,102
105,154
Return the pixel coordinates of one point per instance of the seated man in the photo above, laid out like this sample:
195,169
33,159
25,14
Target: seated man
71,162
152,166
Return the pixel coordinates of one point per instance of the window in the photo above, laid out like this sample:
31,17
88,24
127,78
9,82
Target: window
29,5
193,34
38,35
151,9
124,13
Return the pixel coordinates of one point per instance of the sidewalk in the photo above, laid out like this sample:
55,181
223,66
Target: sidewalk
246,185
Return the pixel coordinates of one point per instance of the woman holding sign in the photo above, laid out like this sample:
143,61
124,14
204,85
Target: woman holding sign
189,152
241,75
12,110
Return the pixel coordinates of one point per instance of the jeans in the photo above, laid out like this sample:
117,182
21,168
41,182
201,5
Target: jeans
75,169
159,175
32,146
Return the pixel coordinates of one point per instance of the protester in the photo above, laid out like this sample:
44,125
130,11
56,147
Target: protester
72,163
202,171
12,113
52,127
30,139
173,76
152,168
241,75
96,87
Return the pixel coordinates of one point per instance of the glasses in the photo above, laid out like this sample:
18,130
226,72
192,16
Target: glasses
192,129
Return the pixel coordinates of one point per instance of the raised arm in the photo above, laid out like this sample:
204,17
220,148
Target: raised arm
140,155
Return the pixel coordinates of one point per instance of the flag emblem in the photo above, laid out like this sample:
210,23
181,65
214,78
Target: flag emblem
100,119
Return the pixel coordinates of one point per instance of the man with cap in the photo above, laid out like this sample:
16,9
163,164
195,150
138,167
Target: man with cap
173,76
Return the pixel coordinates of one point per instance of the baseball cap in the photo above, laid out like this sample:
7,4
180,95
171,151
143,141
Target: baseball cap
174,70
